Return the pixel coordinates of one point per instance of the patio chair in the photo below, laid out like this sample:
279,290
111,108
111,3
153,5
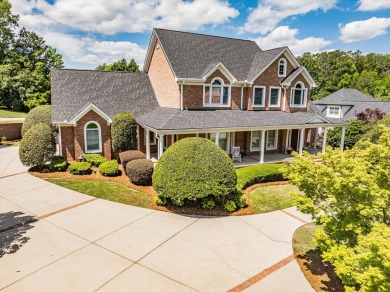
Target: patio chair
236,154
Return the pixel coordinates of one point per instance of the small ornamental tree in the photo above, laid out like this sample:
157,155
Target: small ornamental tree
348,194
124,132
40,114
38,146
353,132
369,114
194,168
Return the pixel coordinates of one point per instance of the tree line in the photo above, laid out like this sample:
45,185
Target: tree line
368,73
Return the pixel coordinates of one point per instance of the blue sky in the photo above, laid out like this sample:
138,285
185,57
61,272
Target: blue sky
90,32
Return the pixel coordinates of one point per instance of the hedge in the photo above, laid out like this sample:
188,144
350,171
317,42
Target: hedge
124,132
194,168
130,155
260,173
40,114
58,163
109,168
38,146
80,168
140,171
94,159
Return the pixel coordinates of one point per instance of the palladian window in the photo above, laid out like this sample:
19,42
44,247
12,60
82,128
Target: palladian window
93,141
298,95
216,94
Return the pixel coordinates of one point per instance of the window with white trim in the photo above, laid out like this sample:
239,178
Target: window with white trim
93,139
216,94
333,112
298,95
258,95
282,68
272,139
222,139
152,138
255,140
274,96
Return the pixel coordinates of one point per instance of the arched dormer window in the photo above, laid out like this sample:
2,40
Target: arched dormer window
282,68
298,95
216,94
92,137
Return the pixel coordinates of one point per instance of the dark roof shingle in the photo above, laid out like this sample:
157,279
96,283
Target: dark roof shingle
345,96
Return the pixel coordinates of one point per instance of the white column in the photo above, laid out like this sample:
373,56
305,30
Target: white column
147,138
217,138
262,147
342,139
161,146
301,140
324,140
287,140
315,138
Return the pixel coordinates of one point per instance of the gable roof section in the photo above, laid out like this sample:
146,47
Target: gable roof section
190,54
345,96
294,74
109,92
360,106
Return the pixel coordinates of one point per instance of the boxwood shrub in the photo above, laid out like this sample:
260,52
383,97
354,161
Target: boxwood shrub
124,132
94,159
39,114
130,155
58,163
140,171
260,173
80,168
109,168
194,168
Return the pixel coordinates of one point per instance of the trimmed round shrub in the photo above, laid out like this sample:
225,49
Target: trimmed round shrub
194,168
58,163
124,132
109,168
140,171
130,155
208,203
160,200
38,146
230,206
94,159
40,114
80,168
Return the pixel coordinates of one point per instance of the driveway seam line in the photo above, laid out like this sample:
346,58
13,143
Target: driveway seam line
293,216
13,174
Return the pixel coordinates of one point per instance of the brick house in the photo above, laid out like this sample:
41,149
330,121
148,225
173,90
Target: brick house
227,90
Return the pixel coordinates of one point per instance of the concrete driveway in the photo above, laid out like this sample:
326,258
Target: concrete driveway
55,239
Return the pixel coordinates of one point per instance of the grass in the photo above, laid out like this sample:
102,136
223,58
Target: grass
250,175
6,113
303,238
106,190
272,198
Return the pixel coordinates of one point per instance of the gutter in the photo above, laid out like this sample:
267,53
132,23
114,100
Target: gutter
181,95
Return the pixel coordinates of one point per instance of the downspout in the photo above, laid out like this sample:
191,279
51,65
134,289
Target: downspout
242,96
59,140
284,99
181,95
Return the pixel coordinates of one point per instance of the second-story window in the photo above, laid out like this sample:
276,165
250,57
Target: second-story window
216,94
282,68
274,96
258,95
298,95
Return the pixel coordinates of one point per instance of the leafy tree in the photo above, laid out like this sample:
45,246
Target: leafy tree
124,132
38,146
348,194
120,65
8,22
353,132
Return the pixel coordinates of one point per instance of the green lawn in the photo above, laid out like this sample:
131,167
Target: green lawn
272,198
106,190
303,239
6,113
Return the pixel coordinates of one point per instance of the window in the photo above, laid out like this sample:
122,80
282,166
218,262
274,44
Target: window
298,95
333,112
152,138
274,96
258,95
255,140
216,94
272,139
282,68
222,139
202,135
93,140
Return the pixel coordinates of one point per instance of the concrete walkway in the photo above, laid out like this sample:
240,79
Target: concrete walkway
73,242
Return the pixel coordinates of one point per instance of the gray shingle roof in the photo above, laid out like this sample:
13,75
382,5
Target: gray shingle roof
293,75
190,54
112,92
174,119
345,96
261,60
358,107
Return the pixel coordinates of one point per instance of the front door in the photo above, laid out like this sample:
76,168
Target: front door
294,139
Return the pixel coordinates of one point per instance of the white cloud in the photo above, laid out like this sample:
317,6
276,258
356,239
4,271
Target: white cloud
285,36
372,5
363,30
269,13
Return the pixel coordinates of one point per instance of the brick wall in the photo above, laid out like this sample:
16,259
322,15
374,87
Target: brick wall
167,90
12,131
67,142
